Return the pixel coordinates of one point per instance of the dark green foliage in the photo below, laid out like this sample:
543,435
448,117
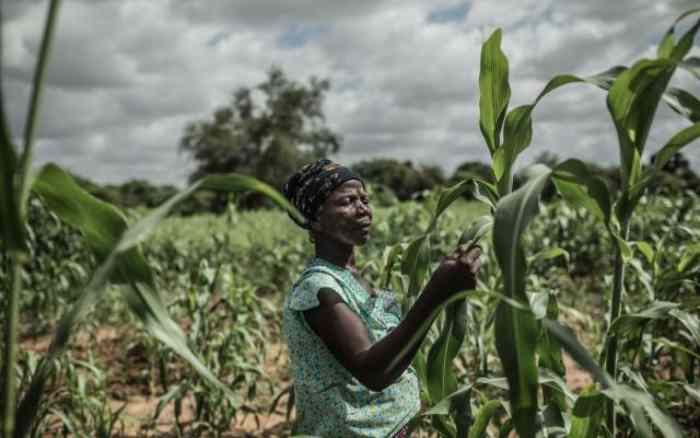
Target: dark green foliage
268,139
402,177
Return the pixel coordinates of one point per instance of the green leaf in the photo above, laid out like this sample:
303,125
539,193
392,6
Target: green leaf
447,197
673,345
494,90
146,304
638,403
690,258
690,321
391,257
12,231
425,326
567,339
101,224
476,231
105,231
415,264
605,79
483,417
443,406
549,254
632,102
499,165
517,134
581,188
516,331
686,42
461,413
678,141
668,48
693,392
587,415
441,378
538,303
631,321
646,250
692,65
25,175
485,192
683,103
552,365
665,48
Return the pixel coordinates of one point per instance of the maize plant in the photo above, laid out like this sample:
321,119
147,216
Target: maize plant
106,232
528,338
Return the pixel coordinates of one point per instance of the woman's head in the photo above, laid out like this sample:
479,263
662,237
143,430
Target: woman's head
333,200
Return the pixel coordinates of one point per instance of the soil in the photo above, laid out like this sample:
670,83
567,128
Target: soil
139,399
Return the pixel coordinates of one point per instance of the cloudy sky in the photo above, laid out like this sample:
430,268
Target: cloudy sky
126,76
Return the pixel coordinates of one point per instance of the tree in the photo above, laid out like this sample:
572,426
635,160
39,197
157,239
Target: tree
268,138
401,177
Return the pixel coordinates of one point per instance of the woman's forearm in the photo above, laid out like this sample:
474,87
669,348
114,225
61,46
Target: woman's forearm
379,363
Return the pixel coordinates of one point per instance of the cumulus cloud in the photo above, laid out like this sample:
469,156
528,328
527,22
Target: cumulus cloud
126,76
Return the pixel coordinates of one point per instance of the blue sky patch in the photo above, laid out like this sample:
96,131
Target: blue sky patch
297,35
448,14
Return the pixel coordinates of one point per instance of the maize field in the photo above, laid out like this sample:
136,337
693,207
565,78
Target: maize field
584,322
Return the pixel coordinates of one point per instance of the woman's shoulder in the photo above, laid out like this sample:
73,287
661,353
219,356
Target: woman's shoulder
304,292
319,272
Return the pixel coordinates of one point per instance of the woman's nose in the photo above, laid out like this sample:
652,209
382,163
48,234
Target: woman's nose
366,208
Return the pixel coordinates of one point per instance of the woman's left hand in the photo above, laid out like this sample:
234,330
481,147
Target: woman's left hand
457,272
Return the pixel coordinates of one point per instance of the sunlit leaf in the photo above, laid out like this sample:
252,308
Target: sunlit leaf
494,90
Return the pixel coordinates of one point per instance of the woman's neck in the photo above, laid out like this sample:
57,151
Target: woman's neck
338,254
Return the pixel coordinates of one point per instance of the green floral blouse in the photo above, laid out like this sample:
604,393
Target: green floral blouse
330,402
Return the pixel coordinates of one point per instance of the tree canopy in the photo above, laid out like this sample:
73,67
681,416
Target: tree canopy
267,131
405,180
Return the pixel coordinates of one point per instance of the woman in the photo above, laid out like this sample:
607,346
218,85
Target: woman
343,334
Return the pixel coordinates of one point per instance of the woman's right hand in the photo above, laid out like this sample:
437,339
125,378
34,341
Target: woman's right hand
457,272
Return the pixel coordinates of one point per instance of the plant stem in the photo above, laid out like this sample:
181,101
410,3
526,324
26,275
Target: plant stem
33,111
612,340
10,353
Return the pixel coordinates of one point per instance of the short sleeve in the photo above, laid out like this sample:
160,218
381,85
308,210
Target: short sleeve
305,294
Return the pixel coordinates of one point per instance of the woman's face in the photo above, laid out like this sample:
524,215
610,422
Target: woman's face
345,216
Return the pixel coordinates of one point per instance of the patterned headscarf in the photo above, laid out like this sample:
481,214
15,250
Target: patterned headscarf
309,187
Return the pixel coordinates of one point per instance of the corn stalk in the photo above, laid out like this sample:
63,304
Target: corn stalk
14,209
107,234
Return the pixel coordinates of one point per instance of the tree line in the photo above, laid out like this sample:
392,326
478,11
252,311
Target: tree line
271,129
